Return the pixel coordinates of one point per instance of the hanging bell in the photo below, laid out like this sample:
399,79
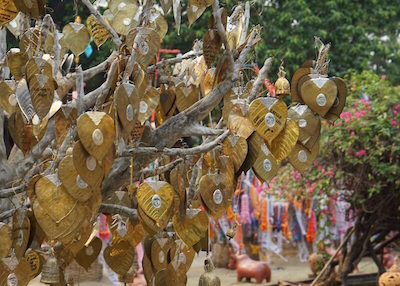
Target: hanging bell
51,270
282,85
208,278
232,231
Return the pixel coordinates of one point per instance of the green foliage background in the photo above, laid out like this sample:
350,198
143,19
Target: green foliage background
355,29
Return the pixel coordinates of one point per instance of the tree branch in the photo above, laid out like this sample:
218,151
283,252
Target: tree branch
22,168
217,12
7,214
68,81
146,173
117,209
103,22
260,79
175,151
173,61
5,169
6,193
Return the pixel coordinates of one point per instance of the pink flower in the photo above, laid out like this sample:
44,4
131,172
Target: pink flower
369,107
383,77
340,123
397,106
361,153
394,122
395,111
352,133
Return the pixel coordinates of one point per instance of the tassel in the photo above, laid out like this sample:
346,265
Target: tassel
285,224
229,213
264,215
104,232
311,228
245,212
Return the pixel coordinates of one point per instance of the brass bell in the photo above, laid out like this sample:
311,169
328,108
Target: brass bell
208,278
282,85
232,231
51,270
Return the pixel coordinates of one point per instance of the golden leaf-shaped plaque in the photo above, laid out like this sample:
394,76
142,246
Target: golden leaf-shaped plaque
127,102
21,230
240,124
21,133
266,165
147,270
50,194
147,43
294,86
66,229
119,256
211,45
166,5
302,159
87,166
96,132
234,30
155,199
8,11
23,272
158,23
236,148
35,261
337,108
192,228
167,104
34,42
196,8
72,182
88,254
16,62
214,195
37,65
268,115
95,203
116,5
149,225
309,124
318,92
33,8
5,240
8,99
148,103
108,160
182,256
123,18
76,37
254,147
186,96
41,88
207,83
282,145
160,248
98,32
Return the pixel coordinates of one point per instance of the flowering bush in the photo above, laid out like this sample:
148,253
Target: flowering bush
360,153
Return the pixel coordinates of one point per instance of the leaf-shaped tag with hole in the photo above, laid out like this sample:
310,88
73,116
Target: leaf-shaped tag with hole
148,103
98,32
76,37
196,8
8,11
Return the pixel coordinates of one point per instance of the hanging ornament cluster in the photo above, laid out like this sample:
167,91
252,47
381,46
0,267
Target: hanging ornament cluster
89,137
